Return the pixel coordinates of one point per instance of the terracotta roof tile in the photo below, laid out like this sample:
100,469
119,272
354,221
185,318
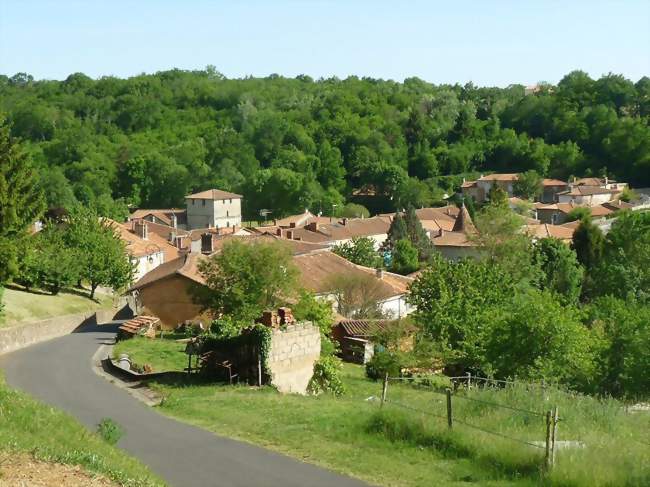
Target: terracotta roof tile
214,194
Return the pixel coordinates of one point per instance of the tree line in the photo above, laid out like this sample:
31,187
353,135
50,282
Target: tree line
288,144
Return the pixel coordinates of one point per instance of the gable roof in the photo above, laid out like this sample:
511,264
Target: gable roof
185,266
585,190
139,247
546,230
500,177
164,215
553,182
362,328
214,194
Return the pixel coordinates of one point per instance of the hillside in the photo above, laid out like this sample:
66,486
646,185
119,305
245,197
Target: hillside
290,144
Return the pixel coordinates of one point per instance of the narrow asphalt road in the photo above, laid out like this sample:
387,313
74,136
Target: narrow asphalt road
59,373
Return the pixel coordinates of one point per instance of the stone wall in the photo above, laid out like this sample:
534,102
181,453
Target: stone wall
292,356
25,334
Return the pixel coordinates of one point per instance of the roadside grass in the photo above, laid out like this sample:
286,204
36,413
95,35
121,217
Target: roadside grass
162,354
399,446
23,306
27,426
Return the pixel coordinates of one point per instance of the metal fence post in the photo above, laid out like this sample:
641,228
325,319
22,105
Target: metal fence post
449,414
384,390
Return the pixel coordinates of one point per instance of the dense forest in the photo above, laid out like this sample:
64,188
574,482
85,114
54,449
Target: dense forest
290,144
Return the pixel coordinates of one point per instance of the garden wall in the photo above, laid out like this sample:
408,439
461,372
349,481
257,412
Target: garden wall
292,356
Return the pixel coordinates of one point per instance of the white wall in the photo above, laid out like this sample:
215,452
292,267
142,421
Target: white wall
379,239
205,213
143,265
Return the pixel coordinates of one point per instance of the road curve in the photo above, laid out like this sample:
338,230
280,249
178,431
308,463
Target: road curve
59,373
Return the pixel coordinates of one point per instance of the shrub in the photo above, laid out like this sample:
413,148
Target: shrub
382,363
327,376
110,431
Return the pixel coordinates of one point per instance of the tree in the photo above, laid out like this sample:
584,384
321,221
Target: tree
361,251
562,274
578,213
358,296
528,185
404,258
497,196
21,202
396,232
353,210
588,242
102,254
245,279
417,236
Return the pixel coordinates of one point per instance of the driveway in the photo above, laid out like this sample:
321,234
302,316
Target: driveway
59,373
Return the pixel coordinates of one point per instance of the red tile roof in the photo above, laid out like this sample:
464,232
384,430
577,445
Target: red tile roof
214,194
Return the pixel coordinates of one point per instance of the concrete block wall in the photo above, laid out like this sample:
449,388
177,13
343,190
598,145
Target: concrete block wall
292,356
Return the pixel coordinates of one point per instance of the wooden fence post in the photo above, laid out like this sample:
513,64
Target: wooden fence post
556,419
449,413
548,441
259,370
384,390
469,380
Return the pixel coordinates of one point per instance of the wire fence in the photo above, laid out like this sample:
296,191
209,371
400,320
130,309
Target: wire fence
551,416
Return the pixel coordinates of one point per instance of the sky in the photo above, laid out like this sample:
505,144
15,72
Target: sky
488,42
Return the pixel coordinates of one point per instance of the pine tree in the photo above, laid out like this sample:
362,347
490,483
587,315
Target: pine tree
21,203
588,242
417,235
396,232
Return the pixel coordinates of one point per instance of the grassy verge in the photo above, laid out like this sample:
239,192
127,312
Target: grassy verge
22,306
399,446
162,355
51,435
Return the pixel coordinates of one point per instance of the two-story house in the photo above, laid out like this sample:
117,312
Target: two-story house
213,208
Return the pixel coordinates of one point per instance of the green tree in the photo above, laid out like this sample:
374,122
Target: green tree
562,274
417,235
245,279
404,258
497,196
396,232
102,255
528,185
21,202
352,210
360,250
588,242
579,213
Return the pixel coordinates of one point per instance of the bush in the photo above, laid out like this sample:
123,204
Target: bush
110,431
327,376
382,363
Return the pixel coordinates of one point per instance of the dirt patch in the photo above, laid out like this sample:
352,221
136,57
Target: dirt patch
24,471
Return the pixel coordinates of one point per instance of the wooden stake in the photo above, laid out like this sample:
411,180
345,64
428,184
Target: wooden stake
556,419
259,370
384,390
449,414
548,459
469,380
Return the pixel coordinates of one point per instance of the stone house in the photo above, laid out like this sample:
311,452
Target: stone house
480,189
213,208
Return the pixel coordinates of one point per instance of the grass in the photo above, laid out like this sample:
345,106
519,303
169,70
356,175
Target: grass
162,355
21,306
400,447
51,435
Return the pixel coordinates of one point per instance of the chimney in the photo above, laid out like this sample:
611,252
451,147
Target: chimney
140,229
290,234
206,243
312,227
344,221
292,225
379,272
278,232
174,220
606,180
172,237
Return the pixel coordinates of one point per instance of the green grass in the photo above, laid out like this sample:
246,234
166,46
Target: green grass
51,435
22,306
400,447
162,355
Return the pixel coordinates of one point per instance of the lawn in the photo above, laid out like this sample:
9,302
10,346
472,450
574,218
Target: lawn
164,354
399,446
22,306
27,426
412,446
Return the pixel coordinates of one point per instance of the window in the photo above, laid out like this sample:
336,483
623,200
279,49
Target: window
193,201
231,201
203,202
227,213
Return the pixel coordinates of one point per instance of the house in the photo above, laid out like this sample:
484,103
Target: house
583,195
459,242
546,230
213,208
605,183
557,213
171,217
147,250
551,188
479,190
319,271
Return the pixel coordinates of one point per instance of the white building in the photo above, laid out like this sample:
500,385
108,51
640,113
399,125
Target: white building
213,208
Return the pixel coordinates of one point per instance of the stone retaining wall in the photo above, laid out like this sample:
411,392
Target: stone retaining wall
292,356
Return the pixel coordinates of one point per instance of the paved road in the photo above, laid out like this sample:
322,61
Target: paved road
59,372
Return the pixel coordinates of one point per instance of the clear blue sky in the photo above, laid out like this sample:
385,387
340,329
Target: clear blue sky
489,42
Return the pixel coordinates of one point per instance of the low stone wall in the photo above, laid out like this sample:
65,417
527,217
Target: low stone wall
292,356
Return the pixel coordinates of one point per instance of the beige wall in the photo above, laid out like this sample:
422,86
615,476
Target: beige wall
204,213
292,356
169,300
